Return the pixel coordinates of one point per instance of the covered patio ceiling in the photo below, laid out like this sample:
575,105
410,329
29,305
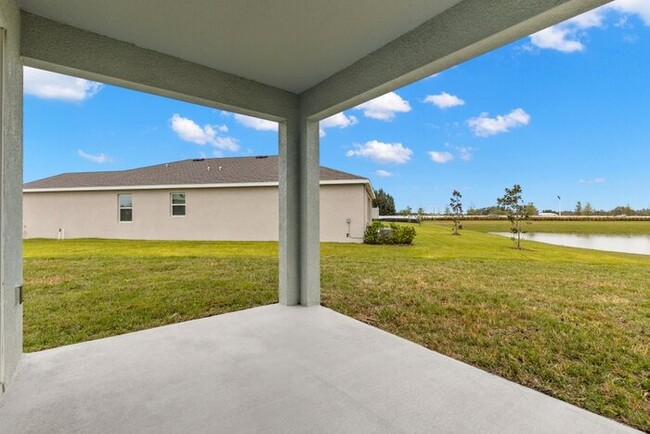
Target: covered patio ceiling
292,44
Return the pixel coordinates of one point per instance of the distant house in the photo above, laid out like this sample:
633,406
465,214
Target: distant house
200,199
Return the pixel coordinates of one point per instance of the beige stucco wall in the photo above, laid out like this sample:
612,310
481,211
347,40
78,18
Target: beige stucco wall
337,204
234,214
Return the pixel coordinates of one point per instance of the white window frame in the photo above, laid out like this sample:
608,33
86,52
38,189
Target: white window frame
172,204
120,208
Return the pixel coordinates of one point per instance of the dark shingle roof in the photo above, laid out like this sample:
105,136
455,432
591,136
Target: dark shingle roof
233,170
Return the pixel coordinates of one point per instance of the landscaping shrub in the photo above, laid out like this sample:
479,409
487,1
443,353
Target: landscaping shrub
402,234
372,234
379,233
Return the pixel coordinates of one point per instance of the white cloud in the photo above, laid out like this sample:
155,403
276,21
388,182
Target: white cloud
592,18
444,100
568,36
256,123
630,39
383,173
95,158
484,126
441,157
190,131
632,7
557,38
50,85
383,153
339,120
597,180
465,153
385,107
226,143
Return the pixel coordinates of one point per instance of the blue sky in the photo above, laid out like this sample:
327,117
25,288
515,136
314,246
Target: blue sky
563,112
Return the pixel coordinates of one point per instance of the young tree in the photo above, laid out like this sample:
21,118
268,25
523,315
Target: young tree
515,210
405,211
421,212
531,209
578,210
384,202
456,208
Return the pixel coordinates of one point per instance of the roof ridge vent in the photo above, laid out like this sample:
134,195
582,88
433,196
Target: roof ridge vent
259,157
198,159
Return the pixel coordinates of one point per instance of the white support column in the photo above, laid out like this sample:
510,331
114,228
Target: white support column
299,212
309,213
11,180
289,198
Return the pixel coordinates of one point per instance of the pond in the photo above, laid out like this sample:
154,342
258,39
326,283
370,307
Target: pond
639,244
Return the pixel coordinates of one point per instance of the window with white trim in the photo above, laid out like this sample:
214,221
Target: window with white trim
178,204
125,205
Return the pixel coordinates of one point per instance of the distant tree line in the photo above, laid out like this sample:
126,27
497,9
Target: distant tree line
587,210
580,210
386,204
529,207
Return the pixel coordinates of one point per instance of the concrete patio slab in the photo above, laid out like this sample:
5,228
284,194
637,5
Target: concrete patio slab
273,369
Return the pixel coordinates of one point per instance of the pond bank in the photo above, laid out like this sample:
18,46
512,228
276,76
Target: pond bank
638,244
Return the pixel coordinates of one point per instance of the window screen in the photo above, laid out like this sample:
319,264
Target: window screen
125,202
178,204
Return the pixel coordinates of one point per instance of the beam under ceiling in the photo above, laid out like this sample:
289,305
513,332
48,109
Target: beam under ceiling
57,47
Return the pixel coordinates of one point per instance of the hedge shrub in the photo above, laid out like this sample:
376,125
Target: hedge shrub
379,233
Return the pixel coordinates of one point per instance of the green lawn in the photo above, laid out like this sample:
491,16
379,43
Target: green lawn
78,290
569,322
587,227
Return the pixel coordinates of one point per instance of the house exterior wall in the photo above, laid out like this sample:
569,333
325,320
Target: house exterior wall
229,214
337,204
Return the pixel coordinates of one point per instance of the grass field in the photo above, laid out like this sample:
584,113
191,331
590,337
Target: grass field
586,227
572,323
